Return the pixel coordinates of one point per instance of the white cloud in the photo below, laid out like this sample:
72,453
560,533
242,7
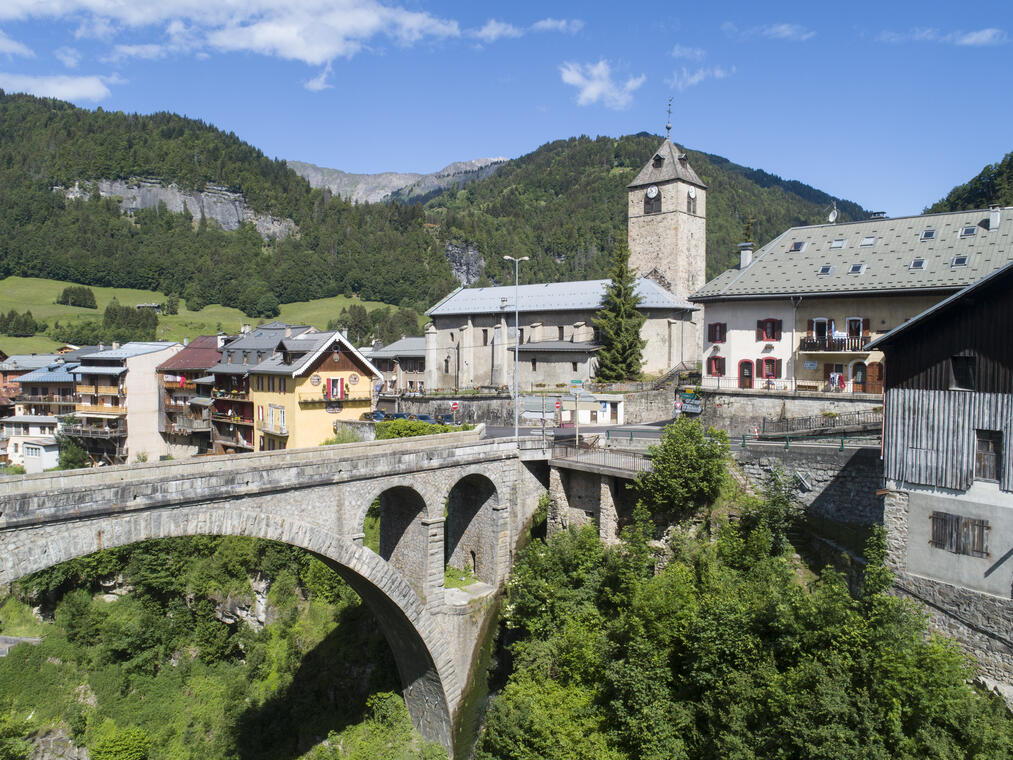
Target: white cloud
689,53
95,28
68,56
496,30
979,38
13,47
319,82
594,83
782,31
62,87
148,52
684,79
567,26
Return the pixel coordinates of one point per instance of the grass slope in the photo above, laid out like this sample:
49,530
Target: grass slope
39,296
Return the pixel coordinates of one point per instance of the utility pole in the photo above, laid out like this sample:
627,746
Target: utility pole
517,345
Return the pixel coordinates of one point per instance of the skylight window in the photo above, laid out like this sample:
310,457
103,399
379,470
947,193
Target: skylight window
839,243
928,234
870,240
856,269
918,264
797,246
825,269
968,231
959,261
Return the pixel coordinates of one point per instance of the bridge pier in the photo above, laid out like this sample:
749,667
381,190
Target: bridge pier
577,497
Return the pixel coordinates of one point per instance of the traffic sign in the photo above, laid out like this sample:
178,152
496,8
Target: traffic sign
559,404
454,406
576,383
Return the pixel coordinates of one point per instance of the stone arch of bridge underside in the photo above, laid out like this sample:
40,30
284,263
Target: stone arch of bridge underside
423,657
472,529
404,535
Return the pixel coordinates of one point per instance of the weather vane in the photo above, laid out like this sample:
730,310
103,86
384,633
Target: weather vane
668,124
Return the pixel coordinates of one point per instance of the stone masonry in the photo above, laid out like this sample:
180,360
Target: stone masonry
317,499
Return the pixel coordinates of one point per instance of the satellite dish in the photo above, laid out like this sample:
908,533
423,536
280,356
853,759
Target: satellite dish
833,214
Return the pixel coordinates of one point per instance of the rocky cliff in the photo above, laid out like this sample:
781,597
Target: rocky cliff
227,209
466,261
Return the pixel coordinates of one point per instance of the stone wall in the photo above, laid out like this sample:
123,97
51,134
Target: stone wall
738,411
842,485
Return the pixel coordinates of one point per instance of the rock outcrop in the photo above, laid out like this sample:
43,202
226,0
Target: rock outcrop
466,262
227,209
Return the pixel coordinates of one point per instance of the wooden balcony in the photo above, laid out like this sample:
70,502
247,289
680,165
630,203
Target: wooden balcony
318,398
188,385
100,409
231,395
99,390
232,419
49,398
833,345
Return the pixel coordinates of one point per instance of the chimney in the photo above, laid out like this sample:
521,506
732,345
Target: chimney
115,345
186,342
745,255
221,340
244,329
994,217
877,215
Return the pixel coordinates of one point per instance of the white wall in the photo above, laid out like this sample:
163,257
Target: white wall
740,342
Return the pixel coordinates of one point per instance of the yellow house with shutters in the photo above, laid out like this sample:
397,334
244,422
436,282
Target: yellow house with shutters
310,381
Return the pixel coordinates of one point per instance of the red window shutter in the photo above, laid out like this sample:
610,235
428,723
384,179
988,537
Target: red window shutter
777,330
759,329
865,327
809,328
777,369
721,365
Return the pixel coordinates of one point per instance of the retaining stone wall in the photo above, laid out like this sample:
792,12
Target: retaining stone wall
738,411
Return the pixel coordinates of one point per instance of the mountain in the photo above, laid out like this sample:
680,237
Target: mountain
993,185
404,187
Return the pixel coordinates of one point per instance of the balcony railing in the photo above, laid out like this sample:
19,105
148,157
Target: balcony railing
48,398
235,395
628,461
318,398
99,390
100,409
236,441
233,419
188,385
281,430
186,425
91,431
834,345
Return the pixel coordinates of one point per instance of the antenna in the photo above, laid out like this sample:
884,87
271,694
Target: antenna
668,124
833,214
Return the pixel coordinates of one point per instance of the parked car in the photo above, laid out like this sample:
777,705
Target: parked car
398,416
426,418
445,419
374,416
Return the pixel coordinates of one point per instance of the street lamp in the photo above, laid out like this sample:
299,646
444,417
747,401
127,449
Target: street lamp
517,345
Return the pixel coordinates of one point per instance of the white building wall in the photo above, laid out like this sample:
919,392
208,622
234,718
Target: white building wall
144,391
740,340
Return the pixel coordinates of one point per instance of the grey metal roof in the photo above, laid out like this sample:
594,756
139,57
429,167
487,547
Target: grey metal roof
410,346
895,243
84,369
673,166
36,419
889,337
51,373
559,345
582,295
27,361
132,349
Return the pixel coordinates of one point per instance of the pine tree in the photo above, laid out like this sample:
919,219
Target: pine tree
619,322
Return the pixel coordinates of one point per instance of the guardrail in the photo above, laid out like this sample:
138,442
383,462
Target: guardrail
823,422
84,431
629,461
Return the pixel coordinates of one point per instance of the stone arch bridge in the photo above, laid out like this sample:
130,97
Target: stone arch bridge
451,499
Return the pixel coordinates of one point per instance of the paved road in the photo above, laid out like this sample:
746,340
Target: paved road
648,430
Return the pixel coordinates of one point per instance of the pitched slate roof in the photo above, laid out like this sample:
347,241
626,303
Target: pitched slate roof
892,244
27,362
311,345
200,354
673,166
132,349
409,346
583,295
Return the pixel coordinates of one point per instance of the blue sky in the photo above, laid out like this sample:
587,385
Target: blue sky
889,104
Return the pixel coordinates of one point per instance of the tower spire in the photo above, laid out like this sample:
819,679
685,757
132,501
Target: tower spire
668,124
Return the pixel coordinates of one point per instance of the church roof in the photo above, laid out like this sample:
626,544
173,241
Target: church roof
938,252
667,164
585,295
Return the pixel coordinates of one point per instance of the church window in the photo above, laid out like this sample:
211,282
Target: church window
652,205
534,365
691,203
485,337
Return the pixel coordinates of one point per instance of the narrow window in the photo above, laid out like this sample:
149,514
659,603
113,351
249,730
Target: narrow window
522,335
534,365
652,205
691,202
988,455
960,535
451,336
561,332
964,370
573,366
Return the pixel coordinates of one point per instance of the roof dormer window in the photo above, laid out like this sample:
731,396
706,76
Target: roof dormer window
968,231
657,161
825,270
856,269
839,243
929,234
869,240
959,261
797,247
918,264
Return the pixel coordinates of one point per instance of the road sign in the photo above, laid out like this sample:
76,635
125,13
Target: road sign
678,405
559,405
576,383
454,406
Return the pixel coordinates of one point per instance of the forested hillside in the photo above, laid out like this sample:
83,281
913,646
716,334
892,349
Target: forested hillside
993,185
564,205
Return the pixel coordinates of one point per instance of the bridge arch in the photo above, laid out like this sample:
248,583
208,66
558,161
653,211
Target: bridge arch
470,530
425,662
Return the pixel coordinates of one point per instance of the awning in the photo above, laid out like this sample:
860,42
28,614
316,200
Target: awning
99,370
206,380
201,401
101,415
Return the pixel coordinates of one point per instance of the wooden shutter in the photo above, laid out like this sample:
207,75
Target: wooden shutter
874,378
759,329
809,327
827,369
777,330
865,327
721,365
777,369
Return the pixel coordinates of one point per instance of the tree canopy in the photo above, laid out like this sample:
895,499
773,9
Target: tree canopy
618,323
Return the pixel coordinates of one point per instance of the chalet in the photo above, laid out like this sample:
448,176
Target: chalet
185,418
802,312
948,462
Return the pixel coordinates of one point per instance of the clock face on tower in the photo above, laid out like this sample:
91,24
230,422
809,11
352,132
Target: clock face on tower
652,192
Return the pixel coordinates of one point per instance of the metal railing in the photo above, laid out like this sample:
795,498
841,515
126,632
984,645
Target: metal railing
51,397
867,418
231,418
319,398
849,343
628,461
88,431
